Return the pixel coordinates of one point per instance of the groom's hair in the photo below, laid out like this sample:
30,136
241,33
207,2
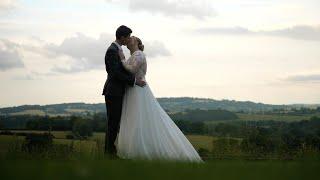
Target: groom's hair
123,31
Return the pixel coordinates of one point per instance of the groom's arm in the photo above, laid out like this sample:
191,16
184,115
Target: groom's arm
115,68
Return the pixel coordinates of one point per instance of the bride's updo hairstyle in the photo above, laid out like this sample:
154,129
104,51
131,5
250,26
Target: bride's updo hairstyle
140,45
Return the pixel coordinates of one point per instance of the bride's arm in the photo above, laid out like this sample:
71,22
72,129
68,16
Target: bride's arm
126,64
133,64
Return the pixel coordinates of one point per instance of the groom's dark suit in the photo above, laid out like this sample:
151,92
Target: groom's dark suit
113,91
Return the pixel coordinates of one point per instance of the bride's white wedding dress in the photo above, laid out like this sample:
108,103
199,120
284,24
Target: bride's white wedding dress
146,131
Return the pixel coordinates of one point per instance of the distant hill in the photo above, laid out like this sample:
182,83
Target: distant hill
171,105
204,115
64,109
180,104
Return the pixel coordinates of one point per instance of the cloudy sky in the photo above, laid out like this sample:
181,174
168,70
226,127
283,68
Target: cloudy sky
52,51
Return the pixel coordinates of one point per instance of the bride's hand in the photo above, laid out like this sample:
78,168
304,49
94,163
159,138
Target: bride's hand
140,82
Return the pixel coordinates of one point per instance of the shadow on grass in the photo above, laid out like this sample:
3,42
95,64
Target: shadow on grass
133,169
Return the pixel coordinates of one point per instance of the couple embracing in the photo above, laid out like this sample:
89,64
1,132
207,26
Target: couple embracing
137,126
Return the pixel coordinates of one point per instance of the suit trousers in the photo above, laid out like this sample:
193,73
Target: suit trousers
114,108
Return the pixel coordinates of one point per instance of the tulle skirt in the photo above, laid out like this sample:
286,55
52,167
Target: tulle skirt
147,132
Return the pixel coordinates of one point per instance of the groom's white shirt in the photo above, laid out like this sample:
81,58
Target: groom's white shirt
120,48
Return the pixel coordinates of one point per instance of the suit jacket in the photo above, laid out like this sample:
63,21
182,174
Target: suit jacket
118,77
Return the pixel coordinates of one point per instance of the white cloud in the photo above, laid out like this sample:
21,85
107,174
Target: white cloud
9,56
155,48
297,32
302,32
304,78
84,53
6,5
223,30
199,9
88,53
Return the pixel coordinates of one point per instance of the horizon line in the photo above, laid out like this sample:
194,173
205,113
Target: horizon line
288,104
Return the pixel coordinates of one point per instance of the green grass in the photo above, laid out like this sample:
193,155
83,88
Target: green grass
100,167
76,110
29,112
7,140
80,145
130,170
264,117
57,134
91,144
199,141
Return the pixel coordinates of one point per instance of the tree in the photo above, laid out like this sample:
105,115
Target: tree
81,127
224,129
260,142
191,127
197,127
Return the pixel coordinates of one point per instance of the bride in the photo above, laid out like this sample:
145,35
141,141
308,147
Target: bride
146,131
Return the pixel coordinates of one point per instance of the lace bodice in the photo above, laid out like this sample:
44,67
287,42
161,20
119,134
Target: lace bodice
136,64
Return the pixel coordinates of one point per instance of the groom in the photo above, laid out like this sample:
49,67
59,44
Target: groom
114,87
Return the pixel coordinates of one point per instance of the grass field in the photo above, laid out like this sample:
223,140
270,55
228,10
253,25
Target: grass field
265,117
29,112
91,144
6,141
130,170
90,166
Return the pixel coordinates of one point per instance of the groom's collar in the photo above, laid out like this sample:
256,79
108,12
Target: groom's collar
116,43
